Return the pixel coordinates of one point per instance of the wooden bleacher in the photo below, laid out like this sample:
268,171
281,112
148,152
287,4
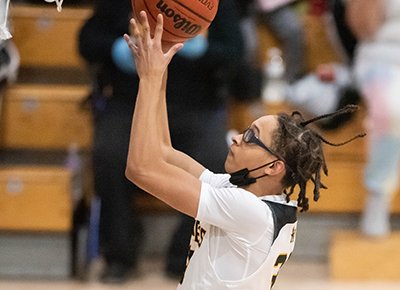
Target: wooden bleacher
46,37
354,257
35,198
42,115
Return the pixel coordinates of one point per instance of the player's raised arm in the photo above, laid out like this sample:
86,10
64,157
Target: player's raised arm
149,163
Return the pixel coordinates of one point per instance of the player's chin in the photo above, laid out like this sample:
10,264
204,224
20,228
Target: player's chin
228,164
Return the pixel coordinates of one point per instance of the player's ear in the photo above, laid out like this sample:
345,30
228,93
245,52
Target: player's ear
275,168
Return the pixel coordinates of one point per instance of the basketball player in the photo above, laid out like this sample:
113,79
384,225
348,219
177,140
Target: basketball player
246,225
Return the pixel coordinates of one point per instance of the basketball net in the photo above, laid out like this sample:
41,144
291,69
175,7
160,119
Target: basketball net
58,2
4,33
4,5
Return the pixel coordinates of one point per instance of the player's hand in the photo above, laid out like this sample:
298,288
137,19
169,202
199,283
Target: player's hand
151,61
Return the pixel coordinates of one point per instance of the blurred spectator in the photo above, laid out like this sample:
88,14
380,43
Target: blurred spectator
283,21
331,86
346,36
376,24
247,80
113,99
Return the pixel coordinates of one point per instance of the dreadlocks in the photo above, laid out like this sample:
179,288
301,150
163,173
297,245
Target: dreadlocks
301,149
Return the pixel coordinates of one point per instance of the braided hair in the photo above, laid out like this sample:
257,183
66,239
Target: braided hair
300,148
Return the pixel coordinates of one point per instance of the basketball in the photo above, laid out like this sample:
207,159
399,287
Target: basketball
183,19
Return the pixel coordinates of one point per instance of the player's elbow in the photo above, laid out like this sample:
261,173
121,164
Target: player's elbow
134,172
140,166
130,172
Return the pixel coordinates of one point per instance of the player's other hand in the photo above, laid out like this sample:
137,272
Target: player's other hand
151,60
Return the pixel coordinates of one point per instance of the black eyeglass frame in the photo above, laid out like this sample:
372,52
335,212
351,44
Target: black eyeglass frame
250,137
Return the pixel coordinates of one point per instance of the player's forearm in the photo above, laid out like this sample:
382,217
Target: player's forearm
163,115
148,163
185,162
145,146
150,141
149,147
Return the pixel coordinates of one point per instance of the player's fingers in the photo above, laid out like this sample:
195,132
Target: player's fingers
135,32
159,28
174,49
133,47
145,24
134,28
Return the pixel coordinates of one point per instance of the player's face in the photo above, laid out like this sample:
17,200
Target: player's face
252,154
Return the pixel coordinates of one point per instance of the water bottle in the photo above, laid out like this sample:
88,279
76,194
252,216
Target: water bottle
74,163
274,84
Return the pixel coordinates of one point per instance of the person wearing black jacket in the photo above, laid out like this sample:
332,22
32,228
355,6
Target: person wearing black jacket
196,98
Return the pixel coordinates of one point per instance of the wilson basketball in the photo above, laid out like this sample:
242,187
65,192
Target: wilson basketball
183,19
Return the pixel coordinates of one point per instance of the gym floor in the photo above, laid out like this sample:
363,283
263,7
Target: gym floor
295,275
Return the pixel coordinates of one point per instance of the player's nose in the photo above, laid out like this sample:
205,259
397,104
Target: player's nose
236,139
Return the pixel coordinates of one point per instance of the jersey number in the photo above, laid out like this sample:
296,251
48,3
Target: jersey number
197,237
282,258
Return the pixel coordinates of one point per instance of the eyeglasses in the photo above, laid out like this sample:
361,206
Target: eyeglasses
250,137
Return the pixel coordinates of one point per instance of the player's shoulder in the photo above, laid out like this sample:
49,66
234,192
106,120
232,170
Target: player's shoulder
283,213
216,180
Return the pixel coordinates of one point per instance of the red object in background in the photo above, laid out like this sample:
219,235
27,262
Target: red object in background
326,72
318,7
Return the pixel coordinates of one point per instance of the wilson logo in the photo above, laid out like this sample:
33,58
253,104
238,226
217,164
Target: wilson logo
207,3
179,22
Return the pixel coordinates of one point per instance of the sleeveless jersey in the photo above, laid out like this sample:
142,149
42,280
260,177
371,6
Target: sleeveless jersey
201,272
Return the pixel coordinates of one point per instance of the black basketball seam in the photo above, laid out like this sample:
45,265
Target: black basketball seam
187,8
155,19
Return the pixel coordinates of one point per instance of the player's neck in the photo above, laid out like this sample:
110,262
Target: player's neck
266,186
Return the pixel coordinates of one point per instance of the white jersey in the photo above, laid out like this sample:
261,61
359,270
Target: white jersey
240,241
269,5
